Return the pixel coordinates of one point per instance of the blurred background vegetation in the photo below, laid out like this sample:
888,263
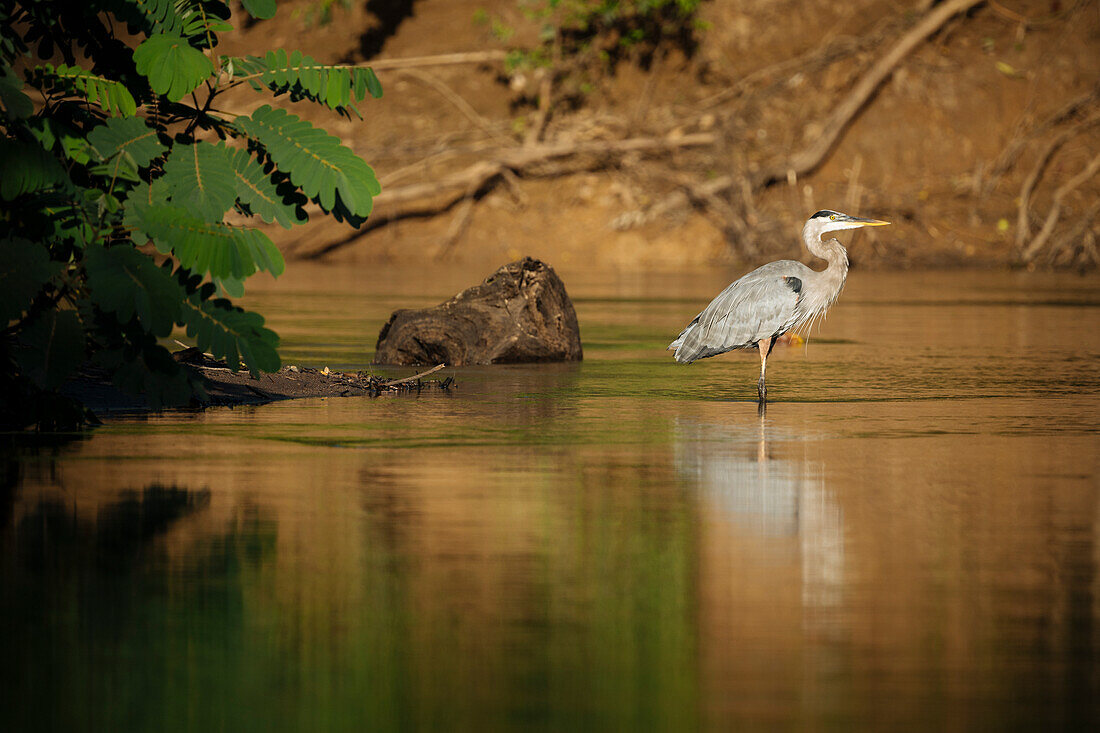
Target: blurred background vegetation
652,134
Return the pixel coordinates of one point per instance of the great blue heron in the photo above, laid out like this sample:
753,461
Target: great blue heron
772,299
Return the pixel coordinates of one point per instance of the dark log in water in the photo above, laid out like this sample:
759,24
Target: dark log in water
520,313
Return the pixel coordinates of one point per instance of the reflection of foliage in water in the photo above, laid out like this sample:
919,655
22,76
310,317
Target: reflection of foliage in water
102,624
151,616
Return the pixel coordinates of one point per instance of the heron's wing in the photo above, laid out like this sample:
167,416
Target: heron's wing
759,305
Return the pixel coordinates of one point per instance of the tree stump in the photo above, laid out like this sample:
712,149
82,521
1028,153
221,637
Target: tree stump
519,314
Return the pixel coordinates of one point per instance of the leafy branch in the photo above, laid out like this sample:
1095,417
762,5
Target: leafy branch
112,162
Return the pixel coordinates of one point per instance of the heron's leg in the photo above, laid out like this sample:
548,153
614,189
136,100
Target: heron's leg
765,347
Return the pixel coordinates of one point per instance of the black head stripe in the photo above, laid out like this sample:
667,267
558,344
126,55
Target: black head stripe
824,213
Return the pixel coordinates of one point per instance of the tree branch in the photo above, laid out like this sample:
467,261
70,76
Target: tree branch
423,199
813,155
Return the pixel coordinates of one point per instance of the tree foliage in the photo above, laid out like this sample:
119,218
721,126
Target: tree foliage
119,175
580,41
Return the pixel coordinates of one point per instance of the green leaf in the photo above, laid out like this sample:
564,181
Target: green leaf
148,369
262,9
232,334
206,247
256,190
17,105
301,76
160,16
24,268
54,347
126,282
172,66
315,160
129,135
374,86
66,218
229,287
200,178
122,168
112,96
27,168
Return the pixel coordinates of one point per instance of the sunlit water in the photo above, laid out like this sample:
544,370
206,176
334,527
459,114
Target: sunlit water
906,540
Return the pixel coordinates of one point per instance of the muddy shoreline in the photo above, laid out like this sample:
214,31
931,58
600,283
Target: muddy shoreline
227,388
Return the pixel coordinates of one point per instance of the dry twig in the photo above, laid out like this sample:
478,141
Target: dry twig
413,378
1064,190
1023,223
446,59
454,98
1008,157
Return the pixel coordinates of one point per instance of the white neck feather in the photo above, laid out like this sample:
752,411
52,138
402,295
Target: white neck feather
831,279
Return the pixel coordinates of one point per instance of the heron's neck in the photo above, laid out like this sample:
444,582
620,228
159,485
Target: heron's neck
833,252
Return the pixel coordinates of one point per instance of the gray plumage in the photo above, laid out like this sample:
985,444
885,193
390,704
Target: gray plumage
773,299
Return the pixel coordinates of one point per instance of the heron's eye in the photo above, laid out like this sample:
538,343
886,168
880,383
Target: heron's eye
832,217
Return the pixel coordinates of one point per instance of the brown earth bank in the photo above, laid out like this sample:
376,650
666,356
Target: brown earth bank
977,136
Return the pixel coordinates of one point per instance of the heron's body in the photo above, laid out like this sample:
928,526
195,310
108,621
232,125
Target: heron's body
772,299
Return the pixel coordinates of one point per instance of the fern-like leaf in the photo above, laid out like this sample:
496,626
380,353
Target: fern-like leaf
188,18
205,247
231,333
200,178
158,16
25,267
112,96
28,168
316,161
335,86
129,136
260,195
126,282
173,67
53,347
17,105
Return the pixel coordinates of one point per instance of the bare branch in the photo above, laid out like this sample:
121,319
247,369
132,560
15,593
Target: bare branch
812,156
413,378
1064,190
463,106
1013,150
1023,225
422,199
446,59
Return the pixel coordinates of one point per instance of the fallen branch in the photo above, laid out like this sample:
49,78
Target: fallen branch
413,378
424,199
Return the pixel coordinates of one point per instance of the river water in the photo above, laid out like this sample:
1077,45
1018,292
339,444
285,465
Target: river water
907,539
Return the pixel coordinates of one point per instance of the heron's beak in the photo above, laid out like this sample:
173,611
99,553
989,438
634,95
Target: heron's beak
868,222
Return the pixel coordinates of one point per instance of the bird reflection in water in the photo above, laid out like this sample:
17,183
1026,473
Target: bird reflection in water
761,488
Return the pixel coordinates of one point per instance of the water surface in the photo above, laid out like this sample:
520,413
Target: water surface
906,540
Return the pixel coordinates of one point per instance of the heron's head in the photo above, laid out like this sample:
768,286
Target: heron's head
832,221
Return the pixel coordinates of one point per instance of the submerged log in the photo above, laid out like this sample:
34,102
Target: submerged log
520,313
